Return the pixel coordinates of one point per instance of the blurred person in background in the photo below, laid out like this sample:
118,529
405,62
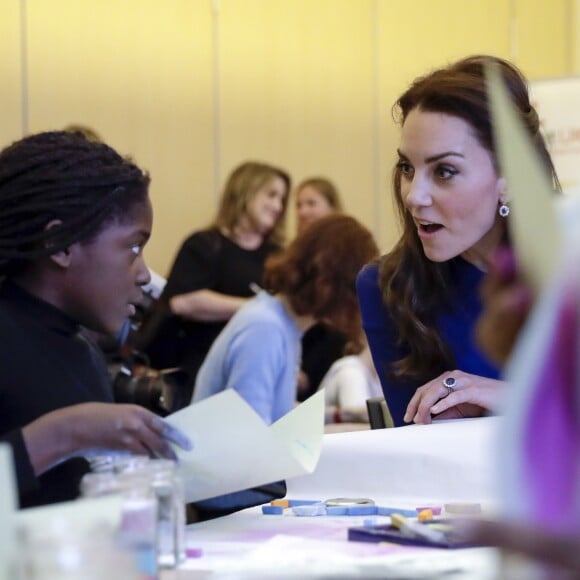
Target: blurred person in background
258,352
317,197
217,270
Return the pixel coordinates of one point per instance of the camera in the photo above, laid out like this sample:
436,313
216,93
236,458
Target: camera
162,392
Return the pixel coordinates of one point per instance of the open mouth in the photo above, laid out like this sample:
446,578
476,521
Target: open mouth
429,227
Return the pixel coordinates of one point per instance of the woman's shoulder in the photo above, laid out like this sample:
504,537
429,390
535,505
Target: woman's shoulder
367,280
207,234
264,315
209,239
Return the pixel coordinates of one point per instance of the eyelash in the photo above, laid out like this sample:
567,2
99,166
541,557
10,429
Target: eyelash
449,171
406,170
404,167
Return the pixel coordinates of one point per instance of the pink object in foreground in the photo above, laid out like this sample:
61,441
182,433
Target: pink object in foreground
552,432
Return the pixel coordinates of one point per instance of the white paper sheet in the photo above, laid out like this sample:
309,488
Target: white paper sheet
233,449
7,511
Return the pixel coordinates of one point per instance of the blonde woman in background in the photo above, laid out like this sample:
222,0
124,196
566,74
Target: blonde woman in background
217,269
316,197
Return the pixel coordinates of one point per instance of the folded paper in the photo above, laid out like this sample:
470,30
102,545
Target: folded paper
234,449
533,221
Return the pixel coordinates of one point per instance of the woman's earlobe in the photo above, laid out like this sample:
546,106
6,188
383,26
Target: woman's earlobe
502,188
62,258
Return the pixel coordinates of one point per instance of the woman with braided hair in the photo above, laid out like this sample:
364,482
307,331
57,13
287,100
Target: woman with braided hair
74,218
420,302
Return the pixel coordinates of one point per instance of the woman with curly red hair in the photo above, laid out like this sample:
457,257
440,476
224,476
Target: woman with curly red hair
258,352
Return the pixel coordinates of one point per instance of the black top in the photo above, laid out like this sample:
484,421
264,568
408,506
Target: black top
46,365
321,346
207,259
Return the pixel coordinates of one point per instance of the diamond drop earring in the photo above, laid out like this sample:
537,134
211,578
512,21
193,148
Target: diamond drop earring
503,210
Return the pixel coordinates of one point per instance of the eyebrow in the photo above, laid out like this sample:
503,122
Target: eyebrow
145,234
435,157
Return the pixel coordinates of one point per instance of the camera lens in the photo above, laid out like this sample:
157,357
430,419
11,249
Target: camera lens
146,391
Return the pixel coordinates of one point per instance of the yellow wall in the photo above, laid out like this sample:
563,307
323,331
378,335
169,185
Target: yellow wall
545,24
139,72
191,88
10,68
296,82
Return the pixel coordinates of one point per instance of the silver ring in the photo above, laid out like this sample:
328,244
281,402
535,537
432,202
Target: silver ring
449,383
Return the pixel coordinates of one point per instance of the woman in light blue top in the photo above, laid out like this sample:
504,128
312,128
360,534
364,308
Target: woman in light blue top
258,352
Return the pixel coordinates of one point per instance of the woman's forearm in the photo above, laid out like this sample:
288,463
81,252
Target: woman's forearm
48,439
206,305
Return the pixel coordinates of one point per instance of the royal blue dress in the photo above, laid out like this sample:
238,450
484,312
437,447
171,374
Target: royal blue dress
455,323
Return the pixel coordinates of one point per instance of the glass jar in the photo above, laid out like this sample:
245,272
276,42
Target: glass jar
137,532
168,489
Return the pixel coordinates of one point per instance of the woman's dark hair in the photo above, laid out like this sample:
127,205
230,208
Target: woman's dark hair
317,272
61,176
413,287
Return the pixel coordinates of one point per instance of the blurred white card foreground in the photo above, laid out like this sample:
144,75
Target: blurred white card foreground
80,515
539,459
7,514
233,449
533,219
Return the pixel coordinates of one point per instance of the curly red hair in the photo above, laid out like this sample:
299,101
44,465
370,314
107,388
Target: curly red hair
317,272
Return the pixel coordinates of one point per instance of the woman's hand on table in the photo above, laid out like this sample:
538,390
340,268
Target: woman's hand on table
470,396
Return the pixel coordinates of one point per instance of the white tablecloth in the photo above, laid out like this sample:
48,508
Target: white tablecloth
444,461
403,467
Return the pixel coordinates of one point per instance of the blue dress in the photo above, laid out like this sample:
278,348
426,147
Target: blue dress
455,324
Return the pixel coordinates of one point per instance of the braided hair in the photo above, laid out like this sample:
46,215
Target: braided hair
62,176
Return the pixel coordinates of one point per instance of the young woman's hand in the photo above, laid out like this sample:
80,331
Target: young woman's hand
471,396
65,431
